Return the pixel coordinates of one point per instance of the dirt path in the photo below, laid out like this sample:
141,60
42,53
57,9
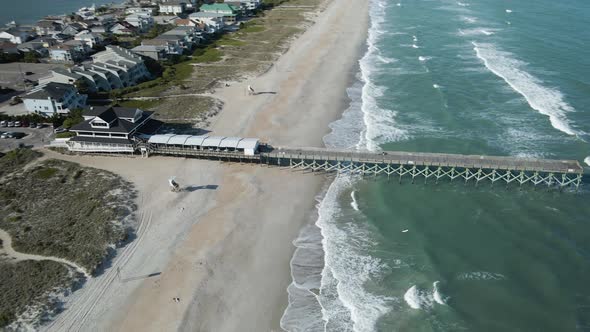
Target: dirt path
19,256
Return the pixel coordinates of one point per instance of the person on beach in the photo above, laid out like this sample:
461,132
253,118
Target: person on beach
250,90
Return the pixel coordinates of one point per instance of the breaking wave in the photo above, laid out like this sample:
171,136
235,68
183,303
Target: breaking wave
354,203
587,160
418,298
480,275
547,101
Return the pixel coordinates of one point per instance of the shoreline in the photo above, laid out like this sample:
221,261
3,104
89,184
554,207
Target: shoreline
223,250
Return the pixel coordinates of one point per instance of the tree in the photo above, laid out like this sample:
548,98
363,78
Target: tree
82,86
31,57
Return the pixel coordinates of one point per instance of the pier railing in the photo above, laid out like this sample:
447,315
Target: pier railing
435,166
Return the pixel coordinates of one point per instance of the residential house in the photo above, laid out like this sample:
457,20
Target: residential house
165,19
90,38
123,29
47,27
8,47
142,21
169,45
67,53
17,35
72,29
39,45
213,22
111,129
174,7
54,98
157,53
188,36
229,12
140,10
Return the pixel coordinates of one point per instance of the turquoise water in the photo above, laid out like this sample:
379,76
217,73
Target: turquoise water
476,77
30,11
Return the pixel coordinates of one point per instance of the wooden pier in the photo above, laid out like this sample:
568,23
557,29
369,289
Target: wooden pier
436,166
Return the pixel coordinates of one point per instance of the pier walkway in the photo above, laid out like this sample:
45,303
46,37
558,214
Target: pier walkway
436,166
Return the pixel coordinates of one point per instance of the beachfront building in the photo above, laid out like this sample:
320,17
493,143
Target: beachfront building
16,34
155,52
54,98
126,65
111,129
213,22
123,29
111,69
173,7
48,27
229,12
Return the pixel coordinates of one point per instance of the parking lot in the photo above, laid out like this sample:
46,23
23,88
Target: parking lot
34,137
12,74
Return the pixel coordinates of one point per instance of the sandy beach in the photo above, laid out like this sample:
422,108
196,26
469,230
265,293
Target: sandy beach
224,244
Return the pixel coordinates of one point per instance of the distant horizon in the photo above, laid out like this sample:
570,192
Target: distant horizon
30,11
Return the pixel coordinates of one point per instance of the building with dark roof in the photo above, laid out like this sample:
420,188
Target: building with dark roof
54,98
111,129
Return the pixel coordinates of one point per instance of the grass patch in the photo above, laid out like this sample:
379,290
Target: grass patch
65,134
28,283
16,159
206,55
45,173
142,104
65,210
228,41
185,109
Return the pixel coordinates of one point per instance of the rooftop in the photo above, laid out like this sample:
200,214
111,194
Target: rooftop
51,90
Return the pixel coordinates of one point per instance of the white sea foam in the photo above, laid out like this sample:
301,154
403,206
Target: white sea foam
547,101
414,38
354,203
346,263
462,4
424,58
468,19
415,46
509,11
480,275
418,298
386,59
379,123
477,32
587,160
436,86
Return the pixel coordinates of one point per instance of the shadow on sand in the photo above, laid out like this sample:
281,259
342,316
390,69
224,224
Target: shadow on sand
207,187
141,277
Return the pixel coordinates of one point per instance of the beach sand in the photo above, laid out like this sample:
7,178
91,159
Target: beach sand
225,251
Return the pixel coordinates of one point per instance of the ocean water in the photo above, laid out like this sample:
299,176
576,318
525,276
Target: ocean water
476,77
30,11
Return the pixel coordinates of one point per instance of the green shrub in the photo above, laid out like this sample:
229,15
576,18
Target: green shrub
46,173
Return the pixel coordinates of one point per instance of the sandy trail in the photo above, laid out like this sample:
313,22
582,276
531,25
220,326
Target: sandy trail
19,256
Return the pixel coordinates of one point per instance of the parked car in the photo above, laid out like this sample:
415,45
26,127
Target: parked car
5,135
15,100
18,135
17,123
3,123
11,123
25,123
32,125
29,73
39,126
60,130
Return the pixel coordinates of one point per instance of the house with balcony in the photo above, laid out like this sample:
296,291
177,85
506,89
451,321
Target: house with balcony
111,129
230,13
173,7
54,98
143,22
68,53
213,22
16,34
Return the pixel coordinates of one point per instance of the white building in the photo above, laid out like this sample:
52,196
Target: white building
16,35
114,68
174,7
142,21
90,38
54,98
213,21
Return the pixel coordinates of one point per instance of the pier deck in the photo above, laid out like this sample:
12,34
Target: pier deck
559,173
